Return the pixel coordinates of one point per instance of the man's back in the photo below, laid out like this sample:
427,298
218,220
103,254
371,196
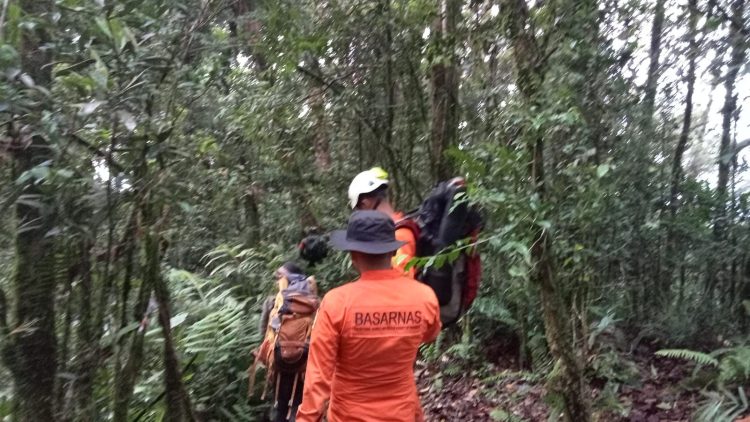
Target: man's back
363,348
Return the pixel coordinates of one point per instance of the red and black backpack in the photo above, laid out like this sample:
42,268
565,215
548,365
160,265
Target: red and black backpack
442,219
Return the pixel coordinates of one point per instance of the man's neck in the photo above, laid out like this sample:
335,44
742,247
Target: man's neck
375,268
386,208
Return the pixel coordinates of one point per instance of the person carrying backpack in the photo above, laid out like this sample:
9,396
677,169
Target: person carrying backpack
286,323
367,333
369,191
443,218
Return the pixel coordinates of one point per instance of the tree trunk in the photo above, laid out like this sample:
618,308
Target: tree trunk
444,80
530,70
682,142
716,267
682,145
737,59
652,78
178,404
252,215
87,344
126,376
64,352
33,354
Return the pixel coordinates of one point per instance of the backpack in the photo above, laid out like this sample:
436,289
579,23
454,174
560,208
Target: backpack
313,248
442,219
285,345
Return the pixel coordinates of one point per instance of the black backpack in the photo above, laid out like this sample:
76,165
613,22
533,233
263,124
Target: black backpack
313,248
442,219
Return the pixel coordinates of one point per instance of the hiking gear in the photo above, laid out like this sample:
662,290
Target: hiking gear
366,182
405,253
313,248
363,348
442,219
371,232
285,346
285,410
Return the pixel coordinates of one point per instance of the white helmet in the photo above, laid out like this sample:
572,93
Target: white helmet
366,182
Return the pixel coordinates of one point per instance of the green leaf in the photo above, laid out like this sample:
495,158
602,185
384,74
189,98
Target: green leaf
602,170
186,207
440,260
516,271
26,80
89,107
414,263
74,67
127,120
8,56
500,415
103,26
453,255
118,34
64,173
178,319
691,355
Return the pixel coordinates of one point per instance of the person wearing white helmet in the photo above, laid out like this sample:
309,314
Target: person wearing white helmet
369,191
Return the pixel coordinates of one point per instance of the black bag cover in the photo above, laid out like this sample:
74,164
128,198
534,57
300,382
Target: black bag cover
444,219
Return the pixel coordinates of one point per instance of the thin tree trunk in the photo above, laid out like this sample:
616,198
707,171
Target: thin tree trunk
530,71
682,145
742,311
64,353
126,377
252,215
737,42
652,78
179,408
444,80
86,345
390,95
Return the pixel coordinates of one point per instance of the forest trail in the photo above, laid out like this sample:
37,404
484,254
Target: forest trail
659,392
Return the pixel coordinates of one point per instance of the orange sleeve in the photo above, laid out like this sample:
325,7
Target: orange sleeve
321,363
430,334
434,326
406,252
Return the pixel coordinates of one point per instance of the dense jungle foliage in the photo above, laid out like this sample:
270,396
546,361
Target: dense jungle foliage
161,158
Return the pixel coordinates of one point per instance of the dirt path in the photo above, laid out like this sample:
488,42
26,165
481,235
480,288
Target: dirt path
657,394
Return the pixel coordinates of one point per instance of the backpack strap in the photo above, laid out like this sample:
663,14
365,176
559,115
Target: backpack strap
276,394
408,222
252,371
291,398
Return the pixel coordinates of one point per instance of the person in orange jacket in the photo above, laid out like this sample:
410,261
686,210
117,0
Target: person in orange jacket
369,191
366,335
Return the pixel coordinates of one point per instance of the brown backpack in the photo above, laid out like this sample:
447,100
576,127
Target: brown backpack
284,350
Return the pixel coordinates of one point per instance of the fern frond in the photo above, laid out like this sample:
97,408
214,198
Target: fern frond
689,355
722,406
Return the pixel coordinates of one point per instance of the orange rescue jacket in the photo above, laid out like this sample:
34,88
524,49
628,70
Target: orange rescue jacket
364,344
405,253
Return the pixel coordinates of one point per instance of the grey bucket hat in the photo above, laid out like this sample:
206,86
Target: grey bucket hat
370,232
